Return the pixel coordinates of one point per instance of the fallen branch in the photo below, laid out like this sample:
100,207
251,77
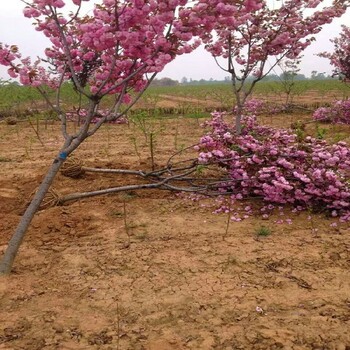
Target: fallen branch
82,195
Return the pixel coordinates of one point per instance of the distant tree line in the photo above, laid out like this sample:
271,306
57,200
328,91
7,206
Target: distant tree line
271,77
185,81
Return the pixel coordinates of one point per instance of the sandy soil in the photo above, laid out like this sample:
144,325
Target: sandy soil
165,273
312,98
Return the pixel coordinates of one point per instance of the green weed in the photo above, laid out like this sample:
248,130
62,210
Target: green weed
4,159
320,132
263,231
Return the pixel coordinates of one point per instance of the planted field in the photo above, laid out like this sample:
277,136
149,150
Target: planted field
150,269
188,100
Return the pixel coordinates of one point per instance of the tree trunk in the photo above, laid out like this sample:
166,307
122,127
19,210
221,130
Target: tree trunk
238,122
26,219
238,116
239,108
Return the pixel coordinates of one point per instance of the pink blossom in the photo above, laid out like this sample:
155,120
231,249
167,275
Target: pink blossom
312,174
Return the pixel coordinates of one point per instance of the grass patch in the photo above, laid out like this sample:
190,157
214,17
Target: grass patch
263,231
5,160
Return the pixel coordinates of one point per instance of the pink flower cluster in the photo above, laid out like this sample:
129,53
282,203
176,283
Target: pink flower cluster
272,164
339,113
250,32
340,57
28,73
258,107
111,49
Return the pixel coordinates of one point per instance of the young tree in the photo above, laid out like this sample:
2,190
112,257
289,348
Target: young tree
290,69
256,38
117,50
340,57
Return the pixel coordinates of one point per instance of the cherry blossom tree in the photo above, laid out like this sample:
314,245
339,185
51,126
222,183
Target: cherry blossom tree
117,50
253,41
340,57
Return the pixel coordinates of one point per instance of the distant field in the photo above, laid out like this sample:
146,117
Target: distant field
182,99
268,87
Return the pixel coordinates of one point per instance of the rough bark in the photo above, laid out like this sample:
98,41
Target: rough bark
17,238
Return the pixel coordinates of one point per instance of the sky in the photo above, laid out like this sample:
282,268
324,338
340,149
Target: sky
16,29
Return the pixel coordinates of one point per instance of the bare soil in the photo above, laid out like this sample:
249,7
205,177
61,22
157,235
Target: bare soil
312,98
152,270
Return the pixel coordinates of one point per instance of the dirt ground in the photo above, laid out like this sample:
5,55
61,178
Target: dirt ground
149,270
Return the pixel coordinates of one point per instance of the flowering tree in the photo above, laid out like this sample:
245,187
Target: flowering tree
255,40
117,50
340,58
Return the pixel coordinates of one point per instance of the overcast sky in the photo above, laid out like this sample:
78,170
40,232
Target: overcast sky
16,29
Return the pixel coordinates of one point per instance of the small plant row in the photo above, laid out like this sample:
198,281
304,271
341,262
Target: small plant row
278,167
181,111
260,107
81,114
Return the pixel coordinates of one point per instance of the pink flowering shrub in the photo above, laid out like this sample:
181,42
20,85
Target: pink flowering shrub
253,106
81,115
271,164
258,107
339,113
